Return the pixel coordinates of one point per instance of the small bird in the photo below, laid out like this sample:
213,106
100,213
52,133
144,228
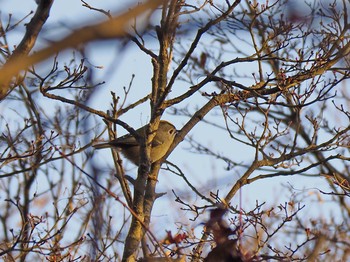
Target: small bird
130,147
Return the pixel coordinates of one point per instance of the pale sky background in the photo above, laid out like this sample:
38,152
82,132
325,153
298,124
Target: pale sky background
204,172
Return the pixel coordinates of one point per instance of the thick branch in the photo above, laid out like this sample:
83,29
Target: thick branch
113,28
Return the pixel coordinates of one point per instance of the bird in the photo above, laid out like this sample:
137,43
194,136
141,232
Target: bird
130,147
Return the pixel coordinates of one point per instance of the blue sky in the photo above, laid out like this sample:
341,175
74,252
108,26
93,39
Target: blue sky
117,68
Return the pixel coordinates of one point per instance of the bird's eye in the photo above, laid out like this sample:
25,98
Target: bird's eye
172,131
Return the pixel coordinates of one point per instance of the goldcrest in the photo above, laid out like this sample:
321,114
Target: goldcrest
130,147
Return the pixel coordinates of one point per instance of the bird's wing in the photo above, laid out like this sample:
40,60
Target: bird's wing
156,142
124,141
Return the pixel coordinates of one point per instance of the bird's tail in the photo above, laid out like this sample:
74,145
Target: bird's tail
102,145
